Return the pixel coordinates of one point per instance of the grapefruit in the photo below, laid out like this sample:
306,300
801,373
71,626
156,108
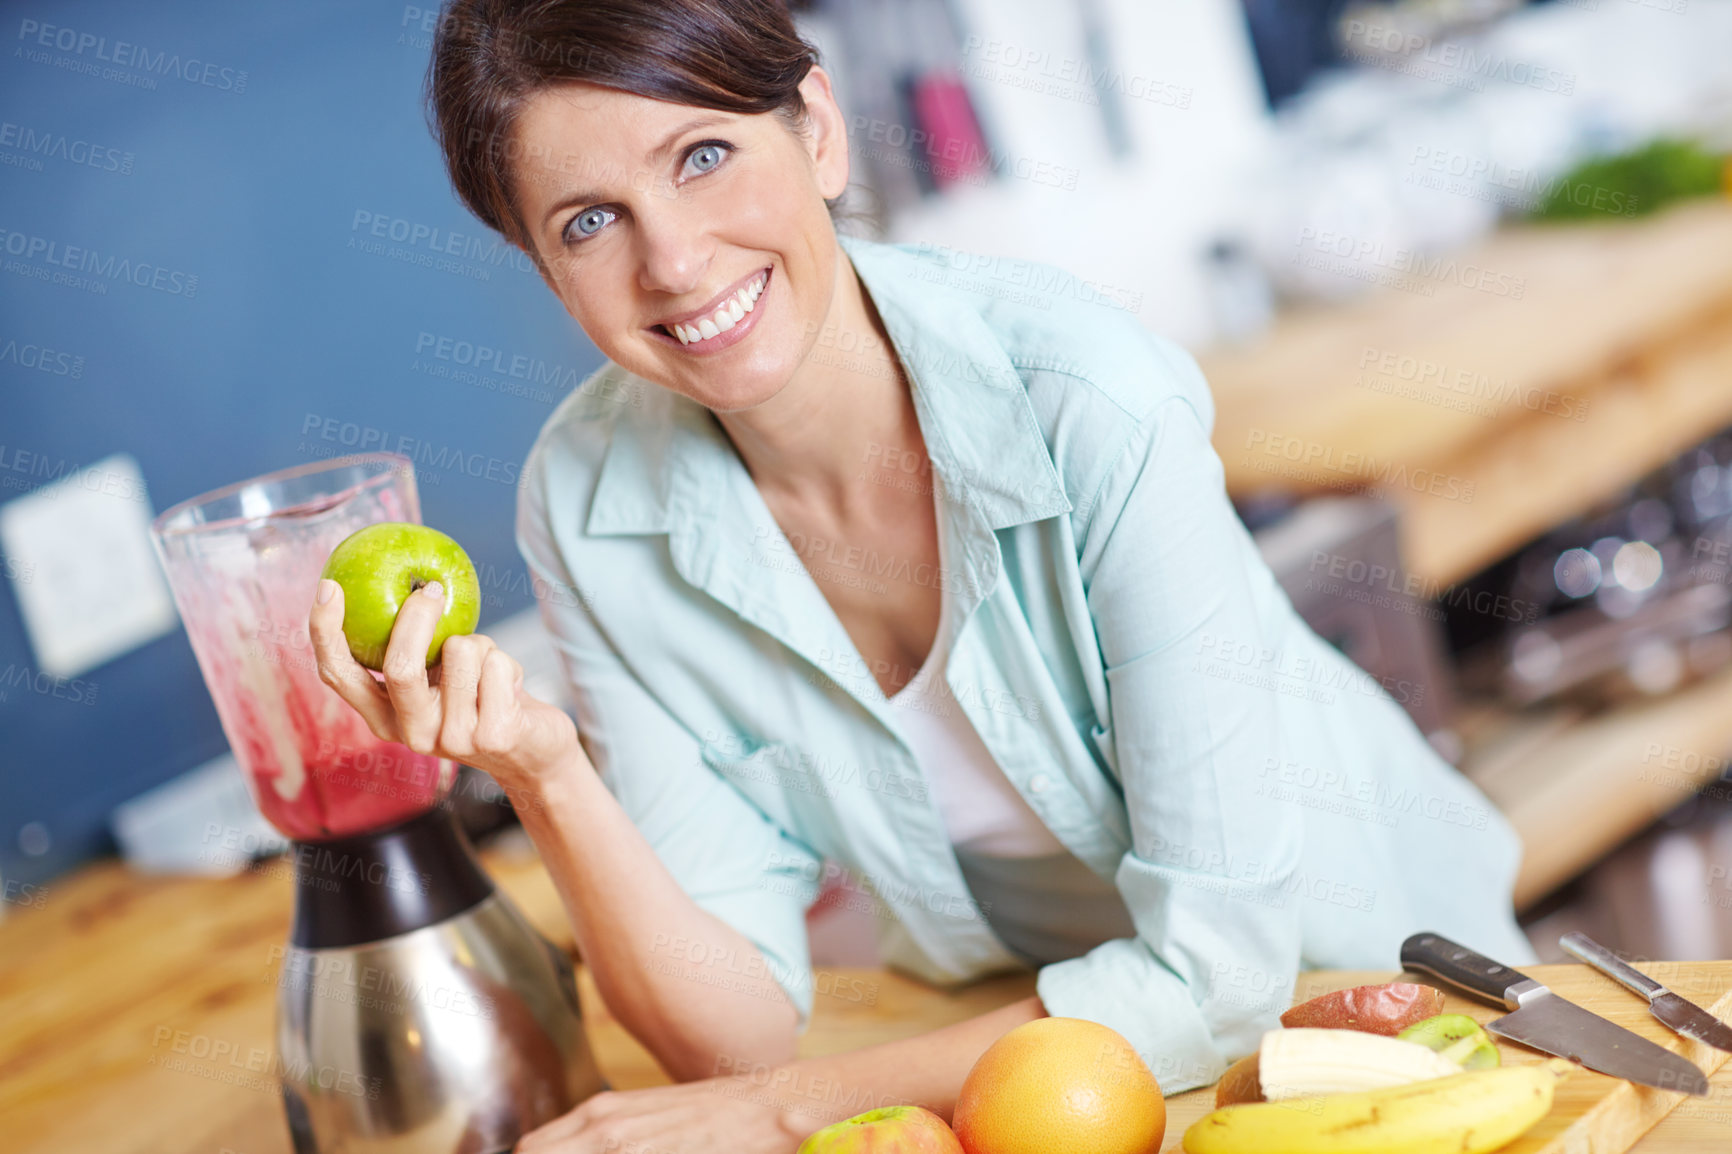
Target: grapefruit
1060,1084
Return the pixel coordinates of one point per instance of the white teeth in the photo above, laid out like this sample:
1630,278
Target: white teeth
727,314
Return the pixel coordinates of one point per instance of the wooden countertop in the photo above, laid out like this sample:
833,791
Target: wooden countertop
109,957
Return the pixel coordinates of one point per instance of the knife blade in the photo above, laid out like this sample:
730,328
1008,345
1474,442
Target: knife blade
1681,1016
1542,1020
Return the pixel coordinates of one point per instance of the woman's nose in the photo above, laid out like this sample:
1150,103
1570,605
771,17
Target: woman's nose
674,255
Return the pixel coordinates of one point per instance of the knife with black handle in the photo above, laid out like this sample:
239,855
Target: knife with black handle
1681,1016
1542,1020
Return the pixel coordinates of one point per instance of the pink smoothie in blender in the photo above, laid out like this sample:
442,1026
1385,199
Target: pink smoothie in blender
392,889
244,564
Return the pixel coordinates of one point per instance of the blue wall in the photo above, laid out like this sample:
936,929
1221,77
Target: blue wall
275,140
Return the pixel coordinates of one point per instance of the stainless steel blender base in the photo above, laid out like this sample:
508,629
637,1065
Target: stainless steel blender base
457,1038
418,1012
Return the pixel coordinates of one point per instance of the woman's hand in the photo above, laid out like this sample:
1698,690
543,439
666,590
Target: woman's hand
703,1117
470,707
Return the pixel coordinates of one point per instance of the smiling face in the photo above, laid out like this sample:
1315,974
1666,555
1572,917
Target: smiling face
692,245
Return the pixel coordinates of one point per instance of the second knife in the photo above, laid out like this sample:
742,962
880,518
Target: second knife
1683,1017
1546,1022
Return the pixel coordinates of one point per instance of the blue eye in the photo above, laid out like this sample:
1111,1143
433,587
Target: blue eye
705,157
587,223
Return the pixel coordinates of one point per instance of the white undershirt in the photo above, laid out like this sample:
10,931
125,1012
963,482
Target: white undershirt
982,810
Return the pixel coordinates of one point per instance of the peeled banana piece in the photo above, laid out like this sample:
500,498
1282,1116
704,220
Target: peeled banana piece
1294,1063
1468,1113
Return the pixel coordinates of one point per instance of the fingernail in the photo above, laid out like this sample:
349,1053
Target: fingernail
327,588
435,590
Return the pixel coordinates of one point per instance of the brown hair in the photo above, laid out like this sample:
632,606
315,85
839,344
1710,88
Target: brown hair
490,56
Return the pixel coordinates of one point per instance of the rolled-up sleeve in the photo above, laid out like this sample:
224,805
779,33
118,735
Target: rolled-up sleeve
724,852
1172,580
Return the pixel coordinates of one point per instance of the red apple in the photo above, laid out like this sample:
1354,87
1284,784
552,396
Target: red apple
886,1130
1386,1009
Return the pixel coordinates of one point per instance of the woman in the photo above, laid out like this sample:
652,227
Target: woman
858,566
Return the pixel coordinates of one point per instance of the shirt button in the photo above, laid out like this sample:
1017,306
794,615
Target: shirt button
1038,783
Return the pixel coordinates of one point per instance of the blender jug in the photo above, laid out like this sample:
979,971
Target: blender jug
417,1009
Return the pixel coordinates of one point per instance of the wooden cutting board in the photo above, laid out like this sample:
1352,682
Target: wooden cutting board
1592,1114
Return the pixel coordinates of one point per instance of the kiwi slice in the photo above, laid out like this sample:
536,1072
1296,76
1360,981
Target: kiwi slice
1458,1038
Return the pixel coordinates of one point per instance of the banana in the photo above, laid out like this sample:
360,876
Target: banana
1467,1113
1301,1062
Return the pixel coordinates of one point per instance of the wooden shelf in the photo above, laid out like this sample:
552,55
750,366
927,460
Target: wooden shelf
1541,471
1629,322
1616,357
1574,787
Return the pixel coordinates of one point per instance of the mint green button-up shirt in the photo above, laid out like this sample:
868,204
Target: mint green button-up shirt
1259,803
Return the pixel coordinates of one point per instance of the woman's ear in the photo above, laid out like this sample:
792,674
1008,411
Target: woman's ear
827,140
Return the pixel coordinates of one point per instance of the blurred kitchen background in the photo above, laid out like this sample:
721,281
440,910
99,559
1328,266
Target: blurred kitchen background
1459,272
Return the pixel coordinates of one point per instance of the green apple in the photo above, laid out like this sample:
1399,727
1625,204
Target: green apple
886,1130
381,565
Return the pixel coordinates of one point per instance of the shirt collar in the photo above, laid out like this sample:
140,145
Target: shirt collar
667,459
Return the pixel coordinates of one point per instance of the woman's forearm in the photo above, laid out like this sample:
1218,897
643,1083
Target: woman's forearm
925,1070
686,985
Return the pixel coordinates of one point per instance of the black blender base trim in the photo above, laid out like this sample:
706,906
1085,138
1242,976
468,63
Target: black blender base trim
367,887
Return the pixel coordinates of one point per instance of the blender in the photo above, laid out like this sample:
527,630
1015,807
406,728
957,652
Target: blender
417,1009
